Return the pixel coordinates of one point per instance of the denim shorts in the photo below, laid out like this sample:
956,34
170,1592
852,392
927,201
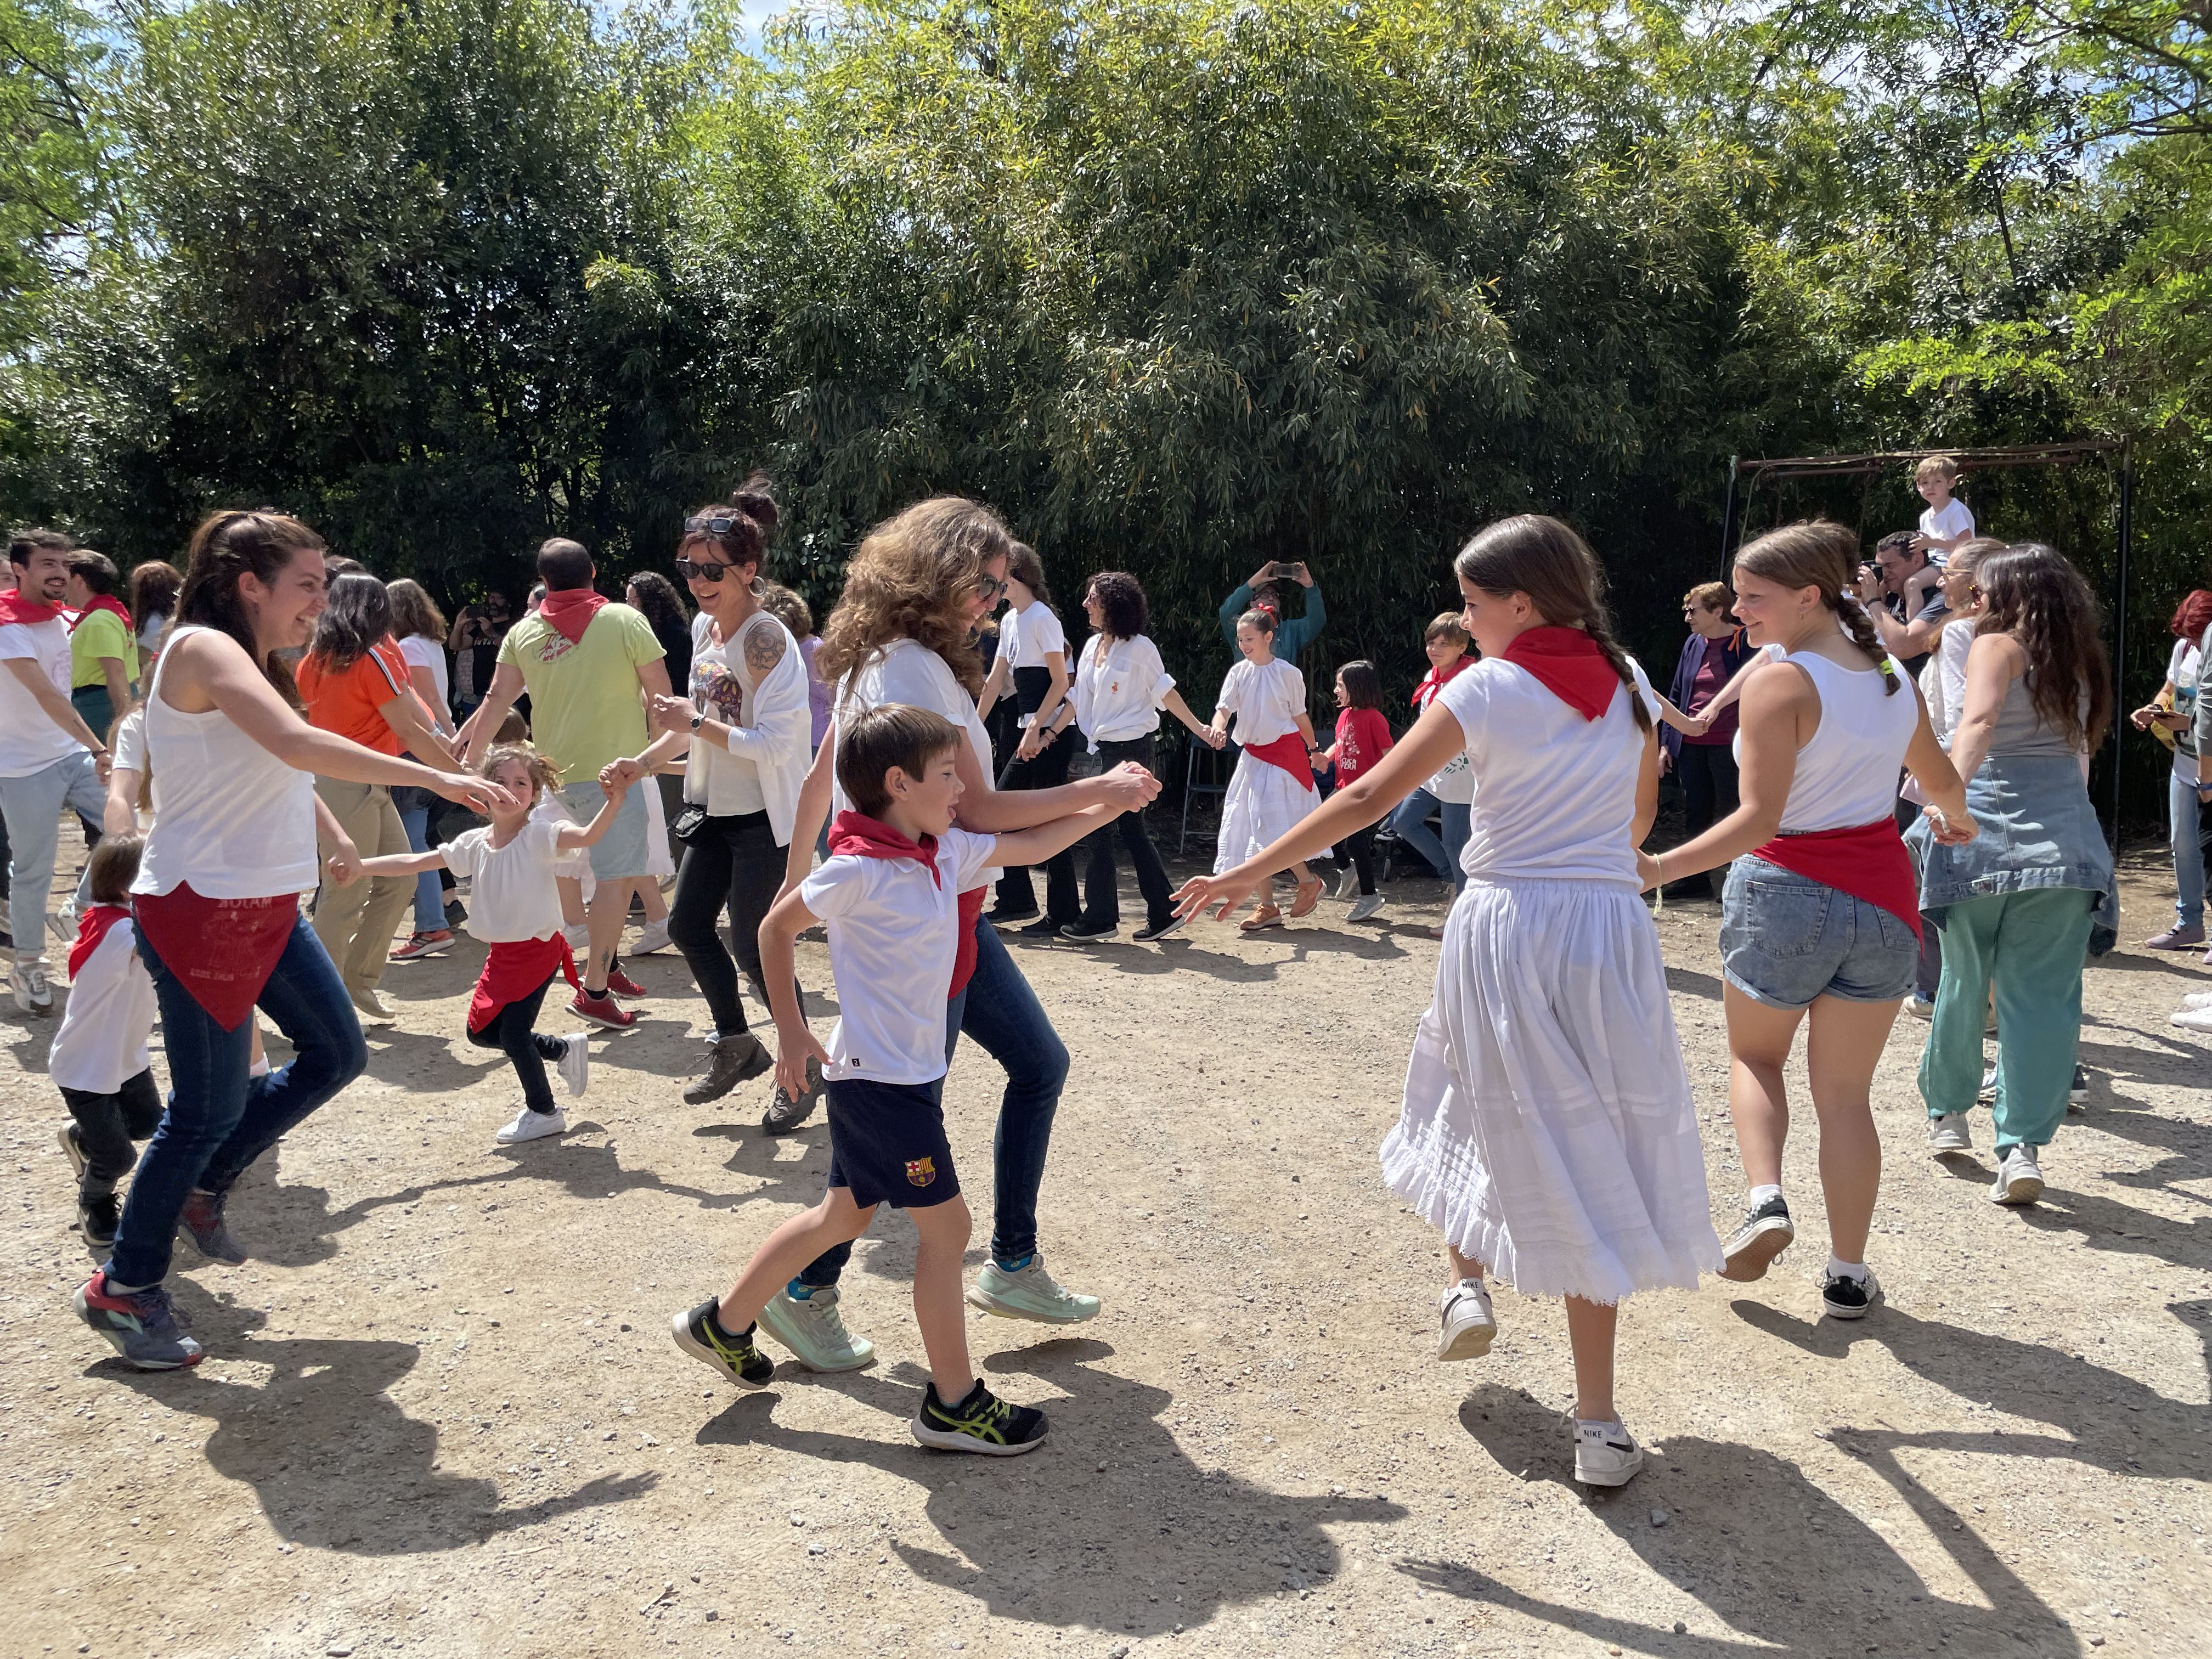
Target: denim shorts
1786,939
623,851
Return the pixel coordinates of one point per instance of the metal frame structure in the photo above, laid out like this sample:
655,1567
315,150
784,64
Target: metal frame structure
1969,460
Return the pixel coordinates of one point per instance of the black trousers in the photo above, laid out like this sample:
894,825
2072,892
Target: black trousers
732,864
1707,773
1102,896
513,1030
1047,771
1357,849
107,1124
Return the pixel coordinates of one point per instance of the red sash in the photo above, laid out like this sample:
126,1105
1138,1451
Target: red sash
513,970
222,950
1869,862
16,606
92,927
1289,752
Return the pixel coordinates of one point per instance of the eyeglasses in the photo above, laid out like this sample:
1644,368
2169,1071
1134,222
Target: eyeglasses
705,571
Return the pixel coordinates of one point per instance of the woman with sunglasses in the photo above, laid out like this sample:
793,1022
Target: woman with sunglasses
743,717
915,591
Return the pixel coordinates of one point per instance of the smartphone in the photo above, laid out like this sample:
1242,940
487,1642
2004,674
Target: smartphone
1288,572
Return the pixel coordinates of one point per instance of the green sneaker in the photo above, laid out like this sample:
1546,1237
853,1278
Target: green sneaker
1030,1293
815,1331
982,1422
699,1335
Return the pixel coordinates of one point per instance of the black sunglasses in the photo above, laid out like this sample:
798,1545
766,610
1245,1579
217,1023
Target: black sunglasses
706,572
719,524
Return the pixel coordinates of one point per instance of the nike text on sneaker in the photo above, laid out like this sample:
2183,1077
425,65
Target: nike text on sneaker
202,1221
786,1111
815,1331
1030,1293
2019,1179
729,1062
141,1324
1469,1323
528,1125
602,1010
34,992
576,1063
1843,1297
982,1423
1948,1133
1606,1454
700,1334
1763,1233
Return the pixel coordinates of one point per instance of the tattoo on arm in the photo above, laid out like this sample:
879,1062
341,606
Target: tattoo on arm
763,650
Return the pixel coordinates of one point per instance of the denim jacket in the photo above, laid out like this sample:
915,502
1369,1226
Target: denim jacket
2038,829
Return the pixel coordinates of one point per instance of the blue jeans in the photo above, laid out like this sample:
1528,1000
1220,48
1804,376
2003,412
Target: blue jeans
1411,822
999,1010
429,891
2182,820
219,1119
33,808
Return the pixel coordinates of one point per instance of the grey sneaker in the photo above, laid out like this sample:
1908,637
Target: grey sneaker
202,1221
1366,905
1030,1293
785,1113
734,1058
142,1324
2019,1179
34,992
1948,1133
1469,1324
815,1331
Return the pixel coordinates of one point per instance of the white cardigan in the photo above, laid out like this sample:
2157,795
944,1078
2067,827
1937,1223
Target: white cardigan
779,743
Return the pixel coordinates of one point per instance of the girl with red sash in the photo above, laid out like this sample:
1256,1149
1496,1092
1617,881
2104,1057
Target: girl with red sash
1547,1131
1820,914
1272,786
217,907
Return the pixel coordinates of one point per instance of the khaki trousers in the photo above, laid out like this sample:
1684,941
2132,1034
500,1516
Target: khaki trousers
356,923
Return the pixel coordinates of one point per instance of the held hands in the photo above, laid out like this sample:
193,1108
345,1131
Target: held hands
673,713
793,1048
1319,760
1130,787
344,866
1035,739
479,795
1948,832
618,776
1647,869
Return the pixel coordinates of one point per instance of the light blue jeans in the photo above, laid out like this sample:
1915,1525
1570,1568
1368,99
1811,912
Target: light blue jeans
32,807
2182,819
429,891
1411,822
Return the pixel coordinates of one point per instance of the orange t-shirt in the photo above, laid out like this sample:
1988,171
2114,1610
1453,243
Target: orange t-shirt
349,703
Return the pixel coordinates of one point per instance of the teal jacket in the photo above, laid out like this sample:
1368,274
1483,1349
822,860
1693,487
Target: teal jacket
1292,633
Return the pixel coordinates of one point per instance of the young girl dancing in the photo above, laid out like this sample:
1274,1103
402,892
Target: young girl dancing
1272,786
1362,738
515,908
1547,1128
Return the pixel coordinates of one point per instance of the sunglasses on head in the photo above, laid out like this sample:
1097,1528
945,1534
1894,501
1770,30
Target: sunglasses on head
717,524
705,571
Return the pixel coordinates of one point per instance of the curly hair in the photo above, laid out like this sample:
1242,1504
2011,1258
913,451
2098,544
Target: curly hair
1543,558
913,578
544,774
1817,553
2032,593
658,600
225,547
1120,596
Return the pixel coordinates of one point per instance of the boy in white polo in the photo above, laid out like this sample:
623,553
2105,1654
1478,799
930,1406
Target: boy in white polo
888,895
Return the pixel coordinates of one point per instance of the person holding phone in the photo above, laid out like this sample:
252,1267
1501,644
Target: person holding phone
1268,588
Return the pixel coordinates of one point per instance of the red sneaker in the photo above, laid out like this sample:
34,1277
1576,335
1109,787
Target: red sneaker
602,1011
622,985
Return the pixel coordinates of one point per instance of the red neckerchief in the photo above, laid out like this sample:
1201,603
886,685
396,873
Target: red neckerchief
92,926
871,838
101,602
1869,862
222,950
14,608
1288,752
569,611
1568,664
1436,680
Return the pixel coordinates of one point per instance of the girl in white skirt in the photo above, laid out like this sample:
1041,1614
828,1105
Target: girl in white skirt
1547,1129
1272,786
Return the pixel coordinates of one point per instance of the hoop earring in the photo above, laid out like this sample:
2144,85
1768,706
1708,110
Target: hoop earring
756,588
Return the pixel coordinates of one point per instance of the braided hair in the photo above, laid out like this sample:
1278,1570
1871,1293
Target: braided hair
1541,557
1819,554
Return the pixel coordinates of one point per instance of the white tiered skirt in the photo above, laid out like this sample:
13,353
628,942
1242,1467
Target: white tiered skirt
1263,803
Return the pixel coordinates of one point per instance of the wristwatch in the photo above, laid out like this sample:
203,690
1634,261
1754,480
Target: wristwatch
698,719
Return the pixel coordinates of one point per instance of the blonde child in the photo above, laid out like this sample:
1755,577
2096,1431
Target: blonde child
890,896
515,908
1272,786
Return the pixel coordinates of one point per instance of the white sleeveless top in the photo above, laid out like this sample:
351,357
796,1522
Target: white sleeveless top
229,817
1847,774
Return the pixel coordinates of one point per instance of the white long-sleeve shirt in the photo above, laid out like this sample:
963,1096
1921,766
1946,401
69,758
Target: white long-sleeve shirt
102,1042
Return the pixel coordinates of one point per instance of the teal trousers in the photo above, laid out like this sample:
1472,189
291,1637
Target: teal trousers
2032,945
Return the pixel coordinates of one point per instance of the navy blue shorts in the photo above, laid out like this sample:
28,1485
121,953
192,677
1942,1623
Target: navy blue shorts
887,1144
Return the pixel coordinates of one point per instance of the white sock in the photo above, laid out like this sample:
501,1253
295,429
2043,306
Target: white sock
1760,1195
1841,1269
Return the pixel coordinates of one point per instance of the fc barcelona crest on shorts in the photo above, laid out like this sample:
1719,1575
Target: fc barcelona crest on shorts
921,1170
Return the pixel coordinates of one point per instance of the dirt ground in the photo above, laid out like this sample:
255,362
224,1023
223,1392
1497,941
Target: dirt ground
441,1413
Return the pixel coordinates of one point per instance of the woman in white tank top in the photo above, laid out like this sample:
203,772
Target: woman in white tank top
217,903
1821,913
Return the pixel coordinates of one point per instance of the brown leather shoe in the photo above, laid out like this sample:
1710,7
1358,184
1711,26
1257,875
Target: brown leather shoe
735,1058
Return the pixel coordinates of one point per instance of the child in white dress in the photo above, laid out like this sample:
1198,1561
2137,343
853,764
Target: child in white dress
1272,786
1547,1128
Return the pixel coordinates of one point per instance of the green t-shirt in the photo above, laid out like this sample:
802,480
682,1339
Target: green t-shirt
585,705
100,633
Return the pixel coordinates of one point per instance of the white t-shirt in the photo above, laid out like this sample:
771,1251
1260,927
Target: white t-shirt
2182,669
894,933
725,784
511,892
1027,637
29,740
110,1014
149,636
906,671
1119,690
423,652
130,741
1954,520
1453,781
1554,794
1267,699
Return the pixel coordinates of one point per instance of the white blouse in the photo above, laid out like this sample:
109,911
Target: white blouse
1266,698
1120,688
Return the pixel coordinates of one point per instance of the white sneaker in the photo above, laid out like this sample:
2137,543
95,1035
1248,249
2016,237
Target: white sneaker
1029,1293
1606,1454
1948,1133
575,1066
2197,999
1987,1094
532,1126
653,936
815,1331
1365,906
579,935
2195,1019
1469,1322
2019,1179
34,992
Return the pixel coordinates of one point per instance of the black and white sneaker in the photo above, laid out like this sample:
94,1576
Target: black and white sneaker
1606,1454
1763,1233
1000,916
700,1333
1084,933
1843,1297
2077,1092
1042,927
1157,930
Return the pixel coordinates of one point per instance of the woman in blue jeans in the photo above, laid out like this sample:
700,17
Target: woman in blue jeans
217,907
915,593
1451,791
